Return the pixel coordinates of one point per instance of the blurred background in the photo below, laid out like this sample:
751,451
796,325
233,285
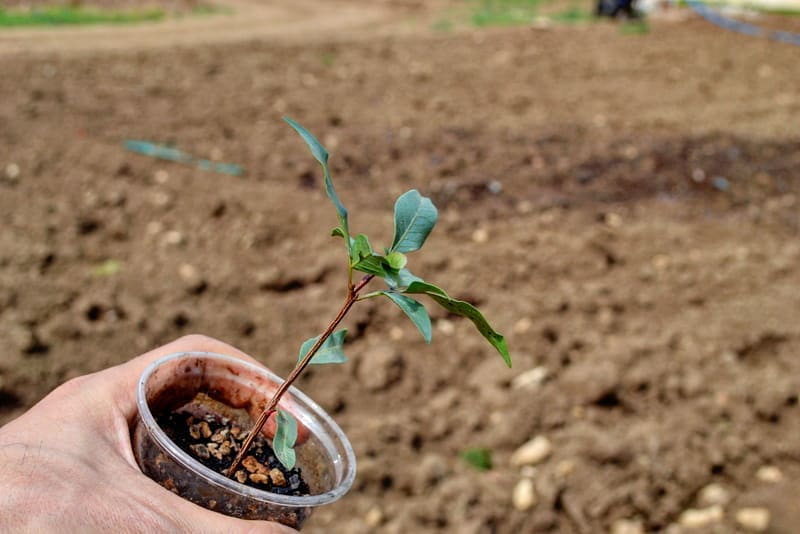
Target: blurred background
619,196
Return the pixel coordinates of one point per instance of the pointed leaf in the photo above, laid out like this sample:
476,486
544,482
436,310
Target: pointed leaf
285,438
317,150
372,264
414,218
321,155
465,309
415,311
337,232
479,458
400,279
330,352
360,249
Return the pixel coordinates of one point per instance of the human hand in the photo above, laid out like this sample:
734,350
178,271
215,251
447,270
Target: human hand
67,464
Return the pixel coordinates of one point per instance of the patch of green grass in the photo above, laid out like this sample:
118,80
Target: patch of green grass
504,12
328,59
572,15
635,27
64,15
443,25
211,9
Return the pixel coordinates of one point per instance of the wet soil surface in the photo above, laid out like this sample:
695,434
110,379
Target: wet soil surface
624,208
214,441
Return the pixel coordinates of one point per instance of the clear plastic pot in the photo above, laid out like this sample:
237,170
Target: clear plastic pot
326,458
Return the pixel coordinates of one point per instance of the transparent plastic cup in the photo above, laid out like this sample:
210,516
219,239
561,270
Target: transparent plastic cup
326,458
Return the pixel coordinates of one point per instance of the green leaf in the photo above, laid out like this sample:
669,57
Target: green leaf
107,268
415,311
465,309
372,264
321,155
330,352
285,437
414,218
478,458
396,260
337,232
360,249
317,150
401,279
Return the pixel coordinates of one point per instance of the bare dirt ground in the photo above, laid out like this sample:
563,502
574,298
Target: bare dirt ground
624,208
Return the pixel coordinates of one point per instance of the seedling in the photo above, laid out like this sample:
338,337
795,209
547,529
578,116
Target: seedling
414,218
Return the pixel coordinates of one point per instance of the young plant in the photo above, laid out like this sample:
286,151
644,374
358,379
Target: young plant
414,218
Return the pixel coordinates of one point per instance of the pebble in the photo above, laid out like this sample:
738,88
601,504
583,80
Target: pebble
396,333
524,496
613,220
193,282
627,526
258,478
701,517
12,171
753,519
481,235
277,477
769,473
523,325
201,451
174,237
445,327
374,517
713,494
533,452
530,379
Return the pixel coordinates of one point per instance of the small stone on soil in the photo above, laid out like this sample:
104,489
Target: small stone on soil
531,378
627,526
753,519
713,494
277,477
481,235
12,171
524,496
205,430
201,451
241,476
769,473
252,465
702,517
533,452
259,478
374,517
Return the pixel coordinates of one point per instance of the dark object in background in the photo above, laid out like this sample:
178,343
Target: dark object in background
615,8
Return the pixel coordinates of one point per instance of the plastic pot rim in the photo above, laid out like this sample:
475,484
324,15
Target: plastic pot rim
190,463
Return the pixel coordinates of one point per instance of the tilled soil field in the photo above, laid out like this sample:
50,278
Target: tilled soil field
624,208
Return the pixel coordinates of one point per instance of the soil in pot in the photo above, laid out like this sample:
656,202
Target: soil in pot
213,432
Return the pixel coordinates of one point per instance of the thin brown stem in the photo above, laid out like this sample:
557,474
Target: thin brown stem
352,296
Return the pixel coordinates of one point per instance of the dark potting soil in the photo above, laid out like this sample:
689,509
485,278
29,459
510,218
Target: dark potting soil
214,441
